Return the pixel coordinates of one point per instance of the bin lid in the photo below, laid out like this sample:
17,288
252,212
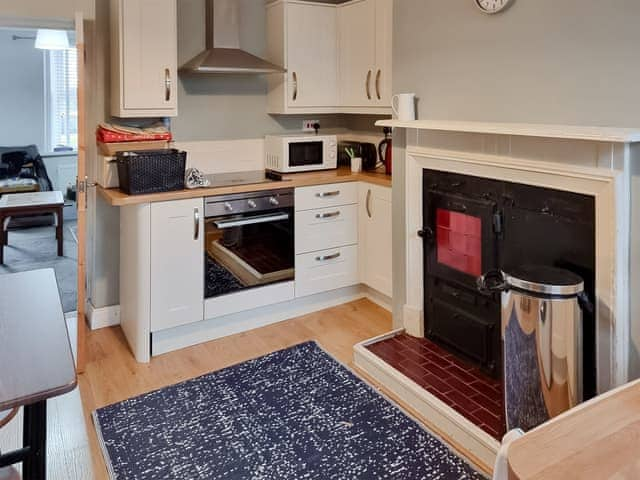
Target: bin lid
544,279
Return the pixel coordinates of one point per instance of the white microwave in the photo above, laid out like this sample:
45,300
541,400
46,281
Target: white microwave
300,153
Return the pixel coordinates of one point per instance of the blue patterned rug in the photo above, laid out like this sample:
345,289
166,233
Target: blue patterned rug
292,414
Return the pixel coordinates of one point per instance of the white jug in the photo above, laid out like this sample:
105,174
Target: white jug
406,106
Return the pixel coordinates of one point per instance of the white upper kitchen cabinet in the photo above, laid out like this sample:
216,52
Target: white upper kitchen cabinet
384,48
177,263
302,37
375,250
144,57
364,55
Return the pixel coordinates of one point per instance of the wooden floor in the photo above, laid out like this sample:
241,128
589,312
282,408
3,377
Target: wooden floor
113,375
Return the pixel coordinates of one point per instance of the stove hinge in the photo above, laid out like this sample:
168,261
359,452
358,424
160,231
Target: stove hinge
497,223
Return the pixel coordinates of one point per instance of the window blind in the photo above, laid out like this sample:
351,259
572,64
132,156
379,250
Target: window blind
63,100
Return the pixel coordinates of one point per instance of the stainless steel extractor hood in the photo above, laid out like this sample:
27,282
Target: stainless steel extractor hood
223,53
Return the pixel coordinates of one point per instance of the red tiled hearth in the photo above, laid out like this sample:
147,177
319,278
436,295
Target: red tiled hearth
463,387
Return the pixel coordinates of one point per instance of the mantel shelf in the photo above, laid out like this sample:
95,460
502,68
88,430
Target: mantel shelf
593,134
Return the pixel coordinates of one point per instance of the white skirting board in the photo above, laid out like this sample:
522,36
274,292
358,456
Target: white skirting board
376,297
472,441
192,334
101,317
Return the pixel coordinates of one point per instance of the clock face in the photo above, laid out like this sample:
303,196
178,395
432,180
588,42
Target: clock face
492,6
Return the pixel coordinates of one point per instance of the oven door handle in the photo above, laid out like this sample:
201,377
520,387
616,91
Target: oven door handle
239,222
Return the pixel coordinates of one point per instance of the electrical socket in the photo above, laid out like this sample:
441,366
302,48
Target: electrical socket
307,125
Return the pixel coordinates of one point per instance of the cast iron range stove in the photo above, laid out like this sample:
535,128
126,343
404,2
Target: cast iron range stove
472,225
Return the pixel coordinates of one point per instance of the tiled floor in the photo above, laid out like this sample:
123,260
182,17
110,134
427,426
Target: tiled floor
460,385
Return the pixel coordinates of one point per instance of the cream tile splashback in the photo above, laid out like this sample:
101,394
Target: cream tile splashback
224,155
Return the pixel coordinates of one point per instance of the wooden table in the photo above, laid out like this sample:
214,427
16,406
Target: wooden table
19,204
36,362
597,440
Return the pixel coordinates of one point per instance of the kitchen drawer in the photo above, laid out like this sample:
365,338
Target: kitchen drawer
326,270
326,228
322,196
107,176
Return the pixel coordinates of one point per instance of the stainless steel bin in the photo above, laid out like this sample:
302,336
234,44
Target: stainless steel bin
542,341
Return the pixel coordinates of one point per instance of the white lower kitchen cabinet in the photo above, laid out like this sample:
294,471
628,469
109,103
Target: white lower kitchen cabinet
324,228
375,250
342,241
161,269
326,238
177,265
326,270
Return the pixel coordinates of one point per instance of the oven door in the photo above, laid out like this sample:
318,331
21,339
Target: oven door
245,251
460,239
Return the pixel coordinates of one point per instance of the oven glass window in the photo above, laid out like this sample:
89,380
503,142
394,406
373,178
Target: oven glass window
248,255
459,241
305,153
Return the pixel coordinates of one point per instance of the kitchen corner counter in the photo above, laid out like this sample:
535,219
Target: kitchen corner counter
117,198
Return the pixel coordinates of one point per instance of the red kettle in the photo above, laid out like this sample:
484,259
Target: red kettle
385,149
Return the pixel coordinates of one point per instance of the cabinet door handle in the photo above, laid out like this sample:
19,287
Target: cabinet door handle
196,223
367,85
378,73
324,258
328,214
295,86
368,203
328,194
167,85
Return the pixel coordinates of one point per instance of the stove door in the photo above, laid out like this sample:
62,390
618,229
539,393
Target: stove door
460,238
247,251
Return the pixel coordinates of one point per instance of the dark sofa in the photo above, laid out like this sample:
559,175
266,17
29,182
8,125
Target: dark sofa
22,169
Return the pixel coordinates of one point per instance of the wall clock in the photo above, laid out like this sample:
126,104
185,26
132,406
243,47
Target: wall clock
492,6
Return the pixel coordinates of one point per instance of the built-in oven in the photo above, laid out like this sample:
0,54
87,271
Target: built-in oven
248,241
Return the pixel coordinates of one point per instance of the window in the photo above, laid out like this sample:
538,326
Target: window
62,100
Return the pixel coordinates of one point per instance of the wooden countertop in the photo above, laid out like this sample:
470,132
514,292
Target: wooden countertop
597,440
117,198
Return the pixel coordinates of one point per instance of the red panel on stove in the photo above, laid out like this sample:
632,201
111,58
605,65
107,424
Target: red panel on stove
459,241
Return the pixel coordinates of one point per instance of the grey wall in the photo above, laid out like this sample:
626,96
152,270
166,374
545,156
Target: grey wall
21,90
544,61
223,107
541,61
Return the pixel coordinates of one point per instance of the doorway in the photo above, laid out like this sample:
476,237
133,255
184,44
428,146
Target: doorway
39,152
42,153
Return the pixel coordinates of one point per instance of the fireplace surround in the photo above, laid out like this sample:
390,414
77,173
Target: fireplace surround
602,164
602,170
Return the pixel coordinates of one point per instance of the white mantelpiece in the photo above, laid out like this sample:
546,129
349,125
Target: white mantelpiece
569,132
587,160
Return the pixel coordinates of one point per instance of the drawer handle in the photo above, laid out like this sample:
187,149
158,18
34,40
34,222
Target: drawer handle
328,214
328,194
324,258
